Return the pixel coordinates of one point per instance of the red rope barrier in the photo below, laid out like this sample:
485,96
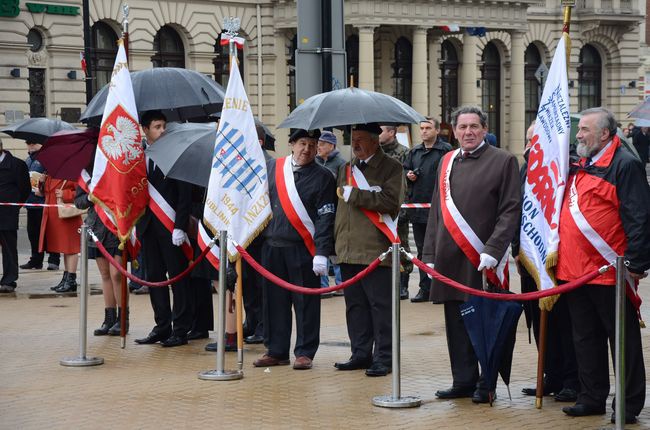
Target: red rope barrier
304,290
134,278
564,288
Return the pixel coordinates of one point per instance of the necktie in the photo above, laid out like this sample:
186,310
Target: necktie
587,162
152,166
362,165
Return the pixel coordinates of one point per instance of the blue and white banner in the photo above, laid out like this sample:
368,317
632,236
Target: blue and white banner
237,197
548,165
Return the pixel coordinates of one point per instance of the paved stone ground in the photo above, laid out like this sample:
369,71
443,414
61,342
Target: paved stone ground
153,387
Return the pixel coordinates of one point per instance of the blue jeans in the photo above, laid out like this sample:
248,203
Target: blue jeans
325,280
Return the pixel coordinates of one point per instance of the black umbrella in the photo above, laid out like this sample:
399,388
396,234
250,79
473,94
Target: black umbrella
350,106
181,94
492,327
36,130
185,151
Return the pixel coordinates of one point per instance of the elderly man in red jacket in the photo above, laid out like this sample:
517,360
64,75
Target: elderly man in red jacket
605,213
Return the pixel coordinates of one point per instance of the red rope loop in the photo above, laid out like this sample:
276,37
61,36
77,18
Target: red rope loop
304,290
564,288
134,278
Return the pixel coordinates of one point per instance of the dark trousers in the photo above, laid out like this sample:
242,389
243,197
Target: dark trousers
9,244
293,264
418,234
200,296
252,292
592,309
403,234
161,257
34,217
560,365
464,364
368,314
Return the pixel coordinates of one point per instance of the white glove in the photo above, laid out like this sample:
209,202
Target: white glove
431,266
347,190
319,265
487,262
178,237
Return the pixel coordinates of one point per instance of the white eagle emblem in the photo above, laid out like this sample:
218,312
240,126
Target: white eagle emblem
123,141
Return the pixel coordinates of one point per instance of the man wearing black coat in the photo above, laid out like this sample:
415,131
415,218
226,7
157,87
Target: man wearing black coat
421,166
162,250
14,188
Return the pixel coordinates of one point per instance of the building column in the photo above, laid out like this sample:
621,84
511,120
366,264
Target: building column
517,127
468,73
367,57
419,92
435,79
281,97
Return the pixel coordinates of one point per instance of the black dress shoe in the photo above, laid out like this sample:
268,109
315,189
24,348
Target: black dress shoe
194,335
152,337
353,364
581,410
31,265
481,396
629,419
174,340
254,339
421,296
455,393
378,369
212,347
548,391
566,395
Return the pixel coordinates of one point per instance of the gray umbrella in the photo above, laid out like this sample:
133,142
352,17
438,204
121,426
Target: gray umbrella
184,152
641,111
181,94
350,106
36,130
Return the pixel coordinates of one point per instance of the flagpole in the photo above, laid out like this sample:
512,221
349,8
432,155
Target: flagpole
239,315
125,30
543,318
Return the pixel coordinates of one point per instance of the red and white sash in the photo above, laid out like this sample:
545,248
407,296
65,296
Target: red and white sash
461,232
598,242
293,207
167,216
133,245
385,224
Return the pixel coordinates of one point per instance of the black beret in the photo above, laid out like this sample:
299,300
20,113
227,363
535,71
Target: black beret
300,133
371,127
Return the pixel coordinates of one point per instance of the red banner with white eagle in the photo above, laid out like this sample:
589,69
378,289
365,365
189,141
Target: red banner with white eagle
119,182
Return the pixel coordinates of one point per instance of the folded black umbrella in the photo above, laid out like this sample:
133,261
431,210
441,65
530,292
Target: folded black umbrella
181,95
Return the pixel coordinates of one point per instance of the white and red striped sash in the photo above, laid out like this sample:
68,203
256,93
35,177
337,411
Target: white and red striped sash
596,240
167,216
291,203
385,224
460,230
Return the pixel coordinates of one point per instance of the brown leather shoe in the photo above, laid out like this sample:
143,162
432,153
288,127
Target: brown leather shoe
268,361
302,363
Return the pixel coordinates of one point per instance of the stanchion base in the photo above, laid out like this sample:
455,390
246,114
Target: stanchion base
226,375
401,402
81,361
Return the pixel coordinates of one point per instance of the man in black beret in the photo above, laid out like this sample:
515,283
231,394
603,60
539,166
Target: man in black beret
370,189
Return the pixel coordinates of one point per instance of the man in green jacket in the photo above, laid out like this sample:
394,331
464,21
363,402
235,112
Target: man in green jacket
375,184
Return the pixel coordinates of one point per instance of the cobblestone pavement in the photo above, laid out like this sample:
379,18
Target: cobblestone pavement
147,386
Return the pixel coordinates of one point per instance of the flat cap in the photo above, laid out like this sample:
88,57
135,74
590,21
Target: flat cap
371,127
328,136
300,133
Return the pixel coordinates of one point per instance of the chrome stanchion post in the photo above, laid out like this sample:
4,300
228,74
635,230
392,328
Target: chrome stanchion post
395,400
219,374
82,360
619,349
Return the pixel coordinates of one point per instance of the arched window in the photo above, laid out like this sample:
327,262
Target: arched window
168,48
532,86
491,87
589,78
103,57
352,53
449,76
403,69
222,62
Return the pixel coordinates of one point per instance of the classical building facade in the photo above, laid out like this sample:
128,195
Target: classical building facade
402,48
